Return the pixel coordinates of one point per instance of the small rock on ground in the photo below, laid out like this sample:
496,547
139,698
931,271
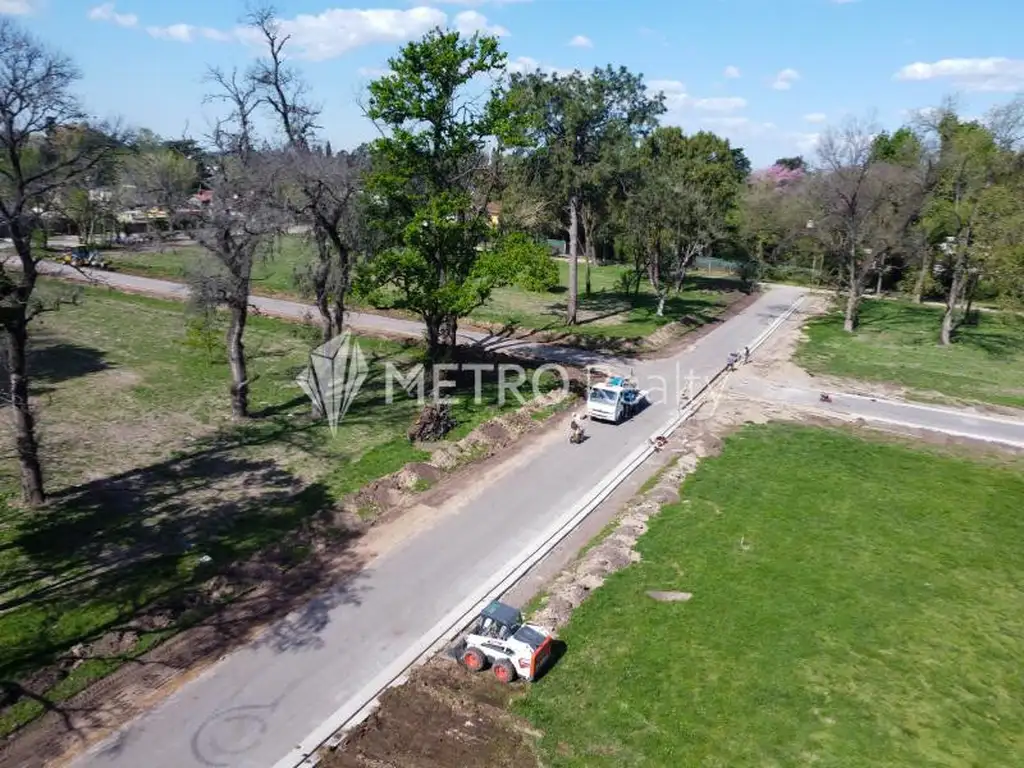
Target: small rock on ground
670,597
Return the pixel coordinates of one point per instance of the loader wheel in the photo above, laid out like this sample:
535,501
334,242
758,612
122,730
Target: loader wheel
474,660
505,672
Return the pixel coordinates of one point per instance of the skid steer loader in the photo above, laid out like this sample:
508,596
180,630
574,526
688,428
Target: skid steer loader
499,639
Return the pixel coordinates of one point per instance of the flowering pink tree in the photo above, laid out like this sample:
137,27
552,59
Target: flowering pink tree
778,176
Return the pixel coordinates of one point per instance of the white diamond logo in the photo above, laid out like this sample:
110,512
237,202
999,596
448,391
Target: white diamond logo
333,377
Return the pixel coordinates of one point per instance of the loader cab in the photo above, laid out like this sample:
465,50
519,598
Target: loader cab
499,621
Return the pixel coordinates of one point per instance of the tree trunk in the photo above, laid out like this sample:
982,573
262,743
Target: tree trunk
926,265
15,353
853,299
972,285
326,321
878,284
956,292
449,335
236,359
433,334
588,246
574,255
341,284
654,275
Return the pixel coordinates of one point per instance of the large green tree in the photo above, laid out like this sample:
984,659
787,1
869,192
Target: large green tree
431,177
970,167
682,191
578,123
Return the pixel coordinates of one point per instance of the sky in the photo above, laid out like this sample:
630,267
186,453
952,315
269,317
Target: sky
771,75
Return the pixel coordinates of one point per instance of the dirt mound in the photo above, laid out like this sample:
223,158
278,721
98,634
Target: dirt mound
434,422
441,718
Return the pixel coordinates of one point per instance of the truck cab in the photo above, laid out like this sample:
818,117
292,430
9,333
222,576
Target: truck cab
614,400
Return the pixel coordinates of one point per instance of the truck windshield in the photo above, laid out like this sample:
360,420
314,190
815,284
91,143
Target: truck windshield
598,395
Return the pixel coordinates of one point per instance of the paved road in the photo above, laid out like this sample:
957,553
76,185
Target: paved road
295,310
949,421
256,705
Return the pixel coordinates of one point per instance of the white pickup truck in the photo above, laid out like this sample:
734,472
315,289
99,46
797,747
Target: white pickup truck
614,400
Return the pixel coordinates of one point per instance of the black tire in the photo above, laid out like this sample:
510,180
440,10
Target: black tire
505,672
474,660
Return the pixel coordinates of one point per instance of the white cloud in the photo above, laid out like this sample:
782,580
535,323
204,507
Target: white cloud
17,7
731,71
469,22
524,65
581,41
186,33
337,31
991,74
816,117
331,33
677,99
108,12
182,33
373,72
785,79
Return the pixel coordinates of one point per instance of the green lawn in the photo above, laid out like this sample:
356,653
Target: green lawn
608,314
898,342
854,604
149,477
272,276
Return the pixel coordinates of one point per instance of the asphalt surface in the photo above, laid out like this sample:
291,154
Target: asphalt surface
253,707
296,310
958,423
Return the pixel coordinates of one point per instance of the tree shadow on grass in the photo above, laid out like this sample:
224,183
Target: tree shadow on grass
54,363
215,542
1000,345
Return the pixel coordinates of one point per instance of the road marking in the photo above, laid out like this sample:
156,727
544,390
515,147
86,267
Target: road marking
934,409
942,431
359,707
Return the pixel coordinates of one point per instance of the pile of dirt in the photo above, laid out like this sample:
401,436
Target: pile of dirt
442,717
434,422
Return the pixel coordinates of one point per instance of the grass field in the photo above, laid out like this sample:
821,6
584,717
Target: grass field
607,313
156,492
854,604
898,343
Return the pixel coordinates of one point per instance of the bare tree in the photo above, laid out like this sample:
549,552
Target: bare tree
45,147
863,206
240,223
324,186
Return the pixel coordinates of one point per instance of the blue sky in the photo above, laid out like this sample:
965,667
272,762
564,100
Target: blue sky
769,74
